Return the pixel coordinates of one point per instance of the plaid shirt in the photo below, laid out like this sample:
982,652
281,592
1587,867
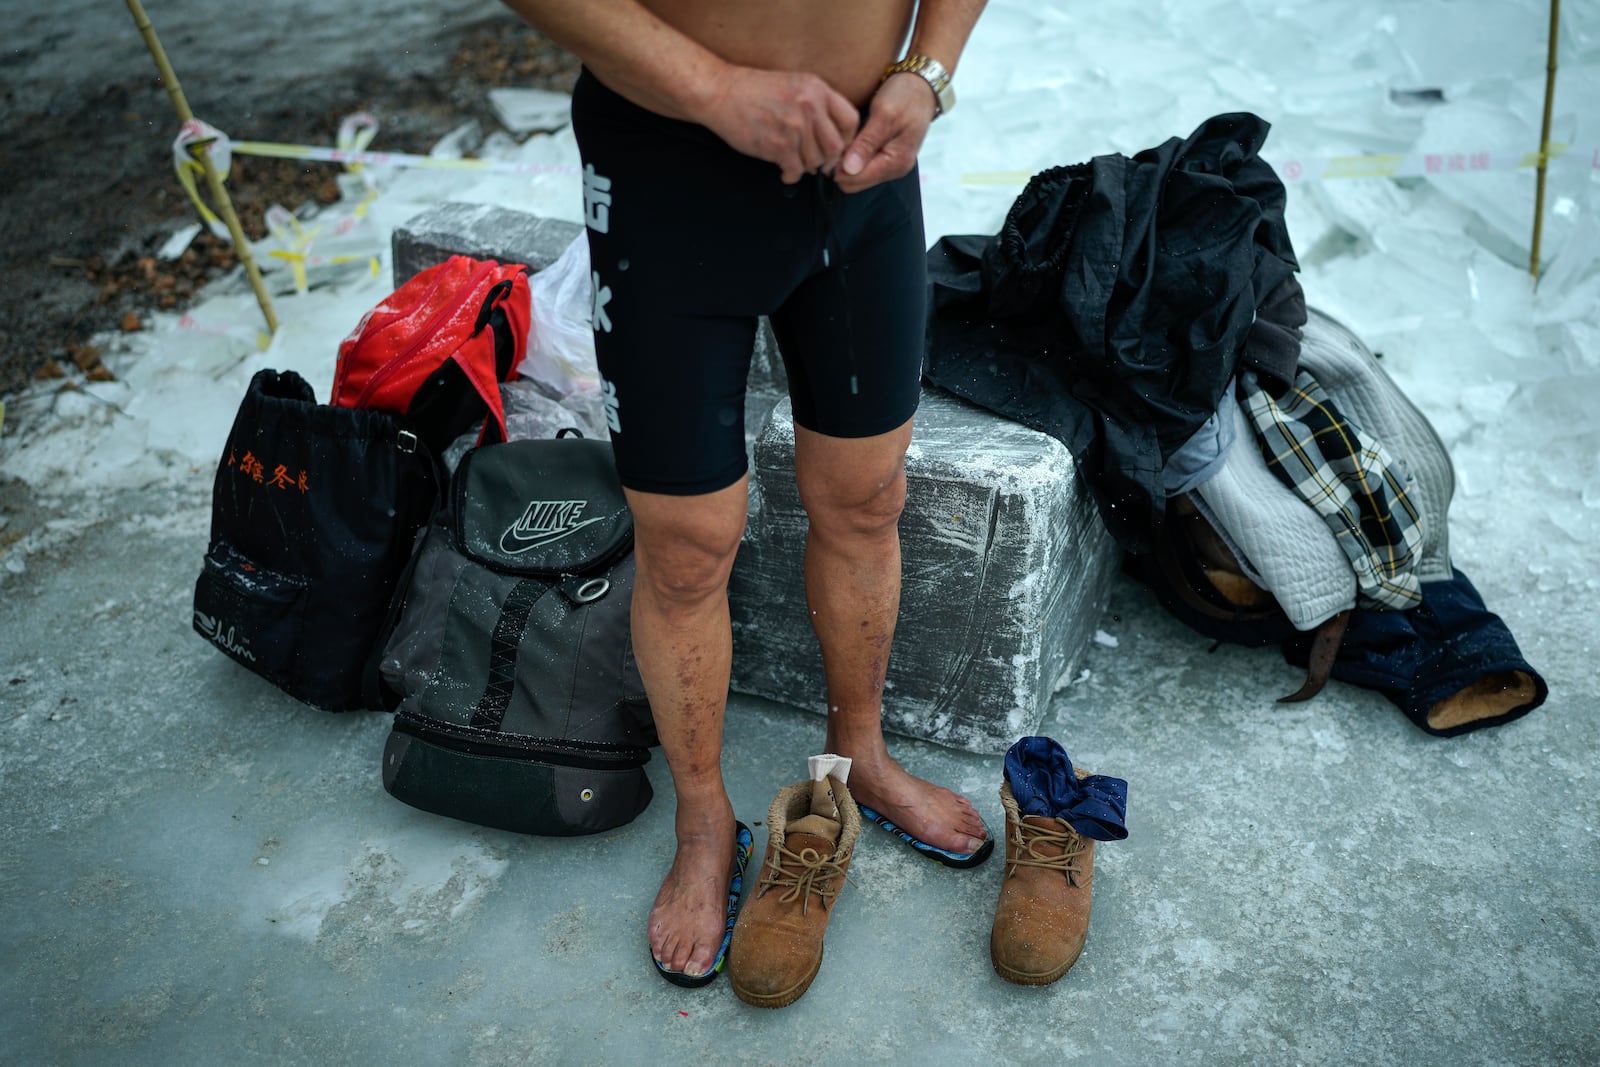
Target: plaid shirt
1348,479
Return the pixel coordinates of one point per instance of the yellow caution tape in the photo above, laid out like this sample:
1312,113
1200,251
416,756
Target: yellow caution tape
357,132
298,241
1375,166
996,177
1412,165
396,159
189,171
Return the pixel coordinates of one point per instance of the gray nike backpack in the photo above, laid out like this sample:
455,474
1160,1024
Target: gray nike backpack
520,706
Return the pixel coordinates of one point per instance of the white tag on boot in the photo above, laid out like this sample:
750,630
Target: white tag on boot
826,764
824,818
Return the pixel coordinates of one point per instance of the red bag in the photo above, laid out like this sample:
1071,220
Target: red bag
436,349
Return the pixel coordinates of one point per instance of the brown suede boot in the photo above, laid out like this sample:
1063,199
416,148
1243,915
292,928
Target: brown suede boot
777,941
1043,916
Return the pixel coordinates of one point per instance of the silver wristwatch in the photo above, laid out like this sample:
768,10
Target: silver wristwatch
933,72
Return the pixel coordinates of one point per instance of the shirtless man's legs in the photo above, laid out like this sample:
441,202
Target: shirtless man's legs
684,548
853,490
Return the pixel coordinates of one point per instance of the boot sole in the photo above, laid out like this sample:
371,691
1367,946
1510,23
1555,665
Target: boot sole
1017,977
781,999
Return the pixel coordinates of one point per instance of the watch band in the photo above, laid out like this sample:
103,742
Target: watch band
931,71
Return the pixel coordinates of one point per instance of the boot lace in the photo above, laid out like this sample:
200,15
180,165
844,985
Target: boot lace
1029,837
809,872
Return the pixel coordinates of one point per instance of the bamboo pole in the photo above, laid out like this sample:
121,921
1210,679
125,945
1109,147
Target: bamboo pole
1544,137
219,194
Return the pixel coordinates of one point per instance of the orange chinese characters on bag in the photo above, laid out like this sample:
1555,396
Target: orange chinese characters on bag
281,478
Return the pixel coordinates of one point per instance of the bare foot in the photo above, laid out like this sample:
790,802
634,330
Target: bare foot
930,813
690,915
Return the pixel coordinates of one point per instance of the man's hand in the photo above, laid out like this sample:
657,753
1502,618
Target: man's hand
794,120
887,146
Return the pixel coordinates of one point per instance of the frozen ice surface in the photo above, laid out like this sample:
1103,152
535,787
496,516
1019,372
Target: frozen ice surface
524,111
1500,201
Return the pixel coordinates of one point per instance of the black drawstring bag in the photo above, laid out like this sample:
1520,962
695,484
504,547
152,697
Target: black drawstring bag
314,513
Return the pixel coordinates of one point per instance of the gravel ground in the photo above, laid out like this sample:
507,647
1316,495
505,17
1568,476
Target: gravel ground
85,156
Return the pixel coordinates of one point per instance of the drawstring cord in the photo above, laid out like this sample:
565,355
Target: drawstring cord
831,238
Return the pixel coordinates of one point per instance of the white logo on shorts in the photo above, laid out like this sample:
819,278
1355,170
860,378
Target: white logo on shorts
600,321
596,200
608,397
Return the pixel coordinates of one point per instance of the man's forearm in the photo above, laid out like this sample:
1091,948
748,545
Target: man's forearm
633,51
942,29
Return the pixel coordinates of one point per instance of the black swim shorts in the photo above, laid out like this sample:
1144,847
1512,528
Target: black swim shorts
689,242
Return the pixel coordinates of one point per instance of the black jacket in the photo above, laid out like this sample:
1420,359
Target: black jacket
1116,303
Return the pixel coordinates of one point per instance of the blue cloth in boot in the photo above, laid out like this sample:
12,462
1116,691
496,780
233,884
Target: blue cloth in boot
1044,783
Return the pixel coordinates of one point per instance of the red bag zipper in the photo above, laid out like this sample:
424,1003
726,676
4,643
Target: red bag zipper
344,364
383,373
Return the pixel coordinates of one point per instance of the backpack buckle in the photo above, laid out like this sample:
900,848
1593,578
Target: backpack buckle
580,591
406,441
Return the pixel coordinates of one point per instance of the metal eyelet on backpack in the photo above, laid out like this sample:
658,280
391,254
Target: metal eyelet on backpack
592,590
586,796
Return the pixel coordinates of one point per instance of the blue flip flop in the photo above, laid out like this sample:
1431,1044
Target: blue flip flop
743,843
937,855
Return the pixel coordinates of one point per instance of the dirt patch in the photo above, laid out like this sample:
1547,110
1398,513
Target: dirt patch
96,178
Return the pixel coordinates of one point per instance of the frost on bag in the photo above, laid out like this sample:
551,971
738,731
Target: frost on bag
560,357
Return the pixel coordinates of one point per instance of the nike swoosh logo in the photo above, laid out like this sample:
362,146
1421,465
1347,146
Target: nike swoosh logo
514,543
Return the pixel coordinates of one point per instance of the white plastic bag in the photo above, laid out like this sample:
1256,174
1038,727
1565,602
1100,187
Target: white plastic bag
560,356
530,415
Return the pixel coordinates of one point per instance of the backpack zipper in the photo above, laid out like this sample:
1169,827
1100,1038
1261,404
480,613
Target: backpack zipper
592,755
383,373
